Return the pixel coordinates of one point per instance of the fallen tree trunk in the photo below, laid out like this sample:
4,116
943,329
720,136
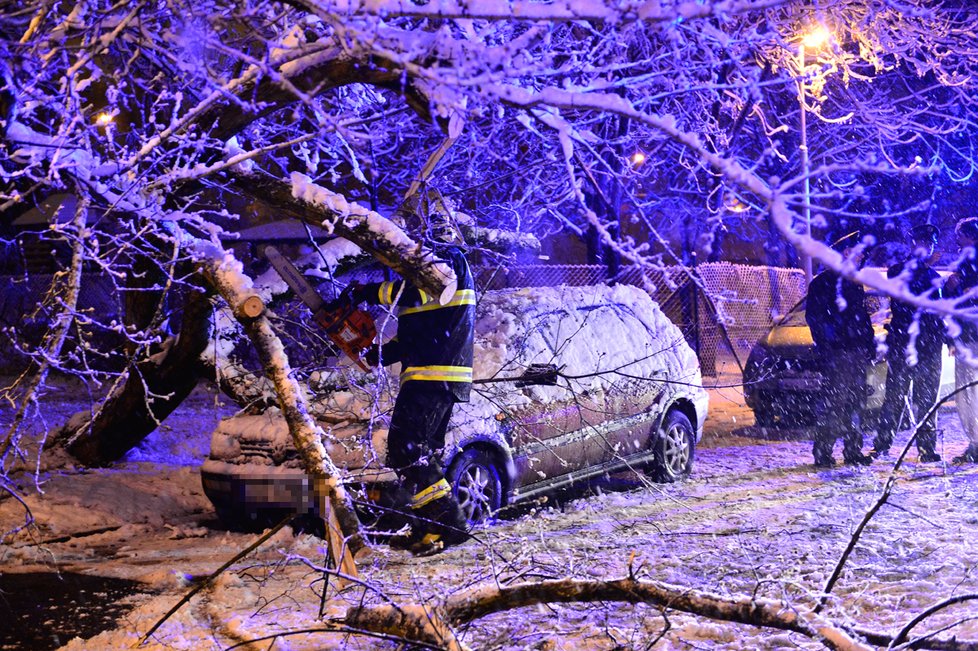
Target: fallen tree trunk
435,624
335,504
153,388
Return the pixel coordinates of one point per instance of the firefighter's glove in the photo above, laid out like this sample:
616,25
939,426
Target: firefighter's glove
345,301
372,356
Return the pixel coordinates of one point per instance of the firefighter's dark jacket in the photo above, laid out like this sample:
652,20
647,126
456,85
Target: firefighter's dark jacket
434,341
835,330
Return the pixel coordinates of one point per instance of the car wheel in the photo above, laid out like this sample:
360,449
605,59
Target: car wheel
674,444
477,483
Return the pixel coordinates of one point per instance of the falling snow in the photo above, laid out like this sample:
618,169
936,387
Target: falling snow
755,518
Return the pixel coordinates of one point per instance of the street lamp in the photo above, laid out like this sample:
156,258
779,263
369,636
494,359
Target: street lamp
814,39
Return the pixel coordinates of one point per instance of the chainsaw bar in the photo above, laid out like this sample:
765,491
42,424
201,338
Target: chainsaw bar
294,279
350,329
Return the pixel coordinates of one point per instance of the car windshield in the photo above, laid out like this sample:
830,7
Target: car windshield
794,317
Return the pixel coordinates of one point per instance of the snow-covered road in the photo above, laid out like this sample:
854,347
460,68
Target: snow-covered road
756,518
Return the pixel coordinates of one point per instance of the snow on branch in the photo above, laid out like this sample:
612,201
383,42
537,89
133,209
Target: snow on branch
564,10
379,236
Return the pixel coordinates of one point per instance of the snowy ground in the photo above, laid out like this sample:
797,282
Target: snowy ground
756,518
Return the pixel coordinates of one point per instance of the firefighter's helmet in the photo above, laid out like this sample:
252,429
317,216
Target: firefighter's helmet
432,217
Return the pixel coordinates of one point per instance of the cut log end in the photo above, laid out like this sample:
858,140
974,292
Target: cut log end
251,307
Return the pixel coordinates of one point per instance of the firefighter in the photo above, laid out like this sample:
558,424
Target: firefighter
434,346
843,333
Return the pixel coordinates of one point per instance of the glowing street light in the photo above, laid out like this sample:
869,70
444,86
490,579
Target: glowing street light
734,204
103,119
816,38
637,158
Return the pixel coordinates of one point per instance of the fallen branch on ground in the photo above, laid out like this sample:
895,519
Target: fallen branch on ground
435,625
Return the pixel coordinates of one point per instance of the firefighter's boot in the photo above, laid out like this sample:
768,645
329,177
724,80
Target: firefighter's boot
437,522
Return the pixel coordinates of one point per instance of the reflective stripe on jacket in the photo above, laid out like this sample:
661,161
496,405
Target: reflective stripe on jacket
434,341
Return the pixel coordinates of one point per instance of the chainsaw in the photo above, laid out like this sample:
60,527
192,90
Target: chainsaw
351,329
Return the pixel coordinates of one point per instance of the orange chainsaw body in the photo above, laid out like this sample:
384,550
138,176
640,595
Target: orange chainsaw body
351,329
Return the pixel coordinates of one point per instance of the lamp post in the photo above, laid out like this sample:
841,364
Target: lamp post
813,39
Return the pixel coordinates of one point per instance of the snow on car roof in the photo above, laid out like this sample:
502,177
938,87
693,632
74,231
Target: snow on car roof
603,339
600,334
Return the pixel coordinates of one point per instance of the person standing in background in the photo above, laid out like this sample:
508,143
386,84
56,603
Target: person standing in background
844,344
913,358
965,346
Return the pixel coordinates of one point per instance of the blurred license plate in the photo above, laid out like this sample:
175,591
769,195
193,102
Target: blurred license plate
800,383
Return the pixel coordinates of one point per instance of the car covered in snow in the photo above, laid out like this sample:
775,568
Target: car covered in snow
628,396
782,377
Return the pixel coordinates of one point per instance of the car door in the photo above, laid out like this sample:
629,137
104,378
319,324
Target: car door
599,418
554,438
550,429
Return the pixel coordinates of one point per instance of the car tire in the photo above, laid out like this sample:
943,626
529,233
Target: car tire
477,483
674,445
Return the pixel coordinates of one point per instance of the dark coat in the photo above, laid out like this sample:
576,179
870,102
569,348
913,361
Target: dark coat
434,342
922,281
836,331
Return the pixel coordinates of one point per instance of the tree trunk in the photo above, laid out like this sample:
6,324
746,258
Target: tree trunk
335,504
153,388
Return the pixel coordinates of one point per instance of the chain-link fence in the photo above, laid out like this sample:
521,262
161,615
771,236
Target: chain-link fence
722,308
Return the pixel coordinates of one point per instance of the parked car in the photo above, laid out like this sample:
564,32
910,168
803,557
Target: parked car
629,396
782,377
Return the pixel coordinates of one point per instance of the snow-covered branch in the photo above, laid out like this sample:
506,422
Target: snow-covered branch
425,624
564,10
